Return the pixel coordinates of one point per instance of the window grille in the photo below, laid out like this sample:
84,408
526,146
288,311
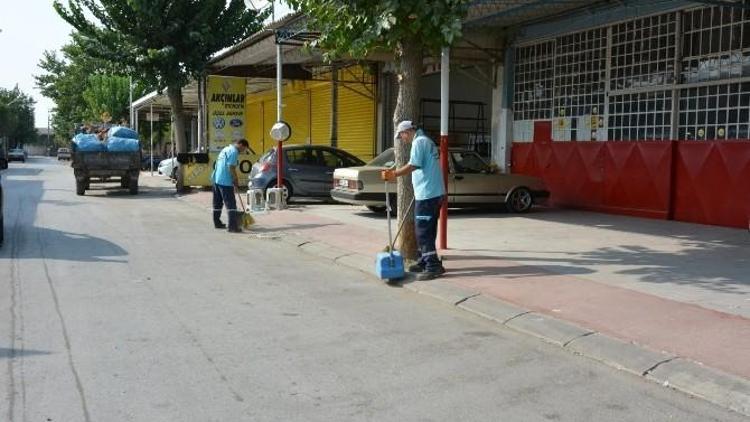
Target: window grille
580,80
707,97
715,112
641,116
532,98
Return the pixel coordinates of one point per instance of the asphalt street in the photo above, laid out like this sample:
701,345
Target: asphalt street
134,308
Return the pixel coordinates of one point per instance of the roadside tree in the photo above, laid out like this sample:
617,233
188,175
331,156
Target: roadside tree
410,29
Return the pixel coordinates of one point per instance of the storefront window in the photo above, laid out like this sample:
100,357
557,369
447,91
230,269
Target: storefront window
533,81
570,81
715,112
580,81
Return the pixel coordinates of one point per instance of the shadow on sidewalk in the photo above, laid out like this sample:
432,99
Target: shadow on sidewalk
482,266
291,227
719,267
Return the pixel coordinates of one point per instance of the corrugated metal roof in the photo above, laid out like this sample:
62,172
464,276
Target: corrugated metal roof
505,13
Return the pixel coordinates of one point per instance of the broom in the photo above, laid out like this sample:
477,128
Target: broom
247,219
400,226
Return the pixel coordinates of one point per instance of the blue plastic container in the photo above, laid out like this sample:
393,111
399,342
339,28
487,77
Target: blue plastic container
389,266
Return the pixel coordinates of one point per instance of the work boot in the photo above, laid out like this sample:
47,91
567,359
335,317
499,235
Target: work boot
431,274
415,268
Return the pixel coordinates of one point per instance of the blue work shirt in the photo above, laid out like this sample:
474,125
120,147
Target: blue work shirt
428,177
222,174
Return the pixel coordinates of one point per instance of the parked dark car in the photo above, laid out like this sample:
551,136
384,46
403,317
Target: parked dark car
147,160
3,166
308,169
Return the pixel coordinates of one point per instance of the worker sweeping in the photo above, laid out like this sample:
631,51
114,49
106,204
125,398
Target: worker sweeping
429,194
225,181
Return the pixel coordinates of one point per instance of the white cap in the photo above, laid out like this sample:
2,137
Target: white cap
404,126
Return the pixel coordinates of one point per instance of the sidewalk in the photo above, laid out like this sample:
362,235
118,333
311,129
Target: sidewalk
664,300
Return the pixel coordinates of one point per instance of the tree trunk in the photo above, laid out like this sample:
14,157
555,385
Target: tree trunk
175,101
409,57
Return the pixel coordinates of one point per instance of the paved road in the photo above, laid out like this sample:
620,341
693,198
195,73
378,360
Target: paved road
121,308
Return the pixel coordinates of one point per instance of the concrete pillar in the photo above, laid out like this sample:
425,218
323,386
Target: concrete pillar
501,131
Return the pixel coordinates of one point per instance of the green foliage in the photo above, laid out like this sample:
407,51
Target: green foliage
165,41
17,117
110,94
65,78
357,27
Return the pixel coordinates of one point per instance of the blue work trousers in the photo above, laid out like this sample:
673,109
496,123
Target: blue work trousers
224,195
426,215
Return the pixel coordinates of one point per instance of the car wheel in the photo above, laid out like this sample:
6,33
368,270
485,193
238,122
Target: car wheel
376,208
520,200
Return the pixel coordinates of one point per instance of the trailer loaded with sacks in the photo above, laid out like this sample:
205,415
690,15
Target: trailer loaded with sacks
101,161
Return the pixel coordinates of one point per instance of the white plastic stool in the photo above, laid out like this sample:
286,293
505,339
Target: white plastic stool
276,198
255,200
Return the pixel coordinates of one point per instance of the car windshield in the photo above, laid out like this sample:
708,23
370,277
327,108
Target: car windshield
469,162
386,158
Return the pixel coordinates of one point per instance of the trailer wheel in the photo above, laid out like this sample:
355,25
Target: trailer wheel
133,185
80,187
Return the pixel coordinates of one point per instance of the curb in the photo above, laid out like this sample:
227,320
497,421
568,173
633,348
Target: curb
671,371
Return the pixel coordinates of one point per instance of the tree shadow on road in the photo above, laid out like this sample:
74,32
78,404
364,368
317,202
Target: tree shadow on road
25,240
6,353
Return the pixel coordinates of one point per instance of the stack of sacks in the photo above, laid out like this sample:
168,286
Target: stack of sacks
116,144
88,142
122,139
122,132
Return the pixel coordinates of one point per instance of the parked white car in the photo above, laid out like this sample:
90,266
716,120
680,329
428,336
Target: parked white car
471,183
168,167
63,154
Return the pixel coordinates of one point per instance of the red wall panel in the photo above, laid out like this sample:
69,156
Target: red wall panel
638,178
712,183
708,181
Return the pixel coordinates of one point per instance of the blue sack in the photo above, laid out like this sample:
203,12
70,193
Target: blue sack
88,142
115,144
122,132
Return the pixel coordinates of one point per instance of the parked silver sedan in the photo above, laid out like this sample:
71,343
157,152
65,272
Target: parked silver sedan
471,183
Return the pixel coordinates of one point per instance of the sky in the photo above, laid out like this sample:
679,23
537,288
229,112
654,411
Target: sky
30,27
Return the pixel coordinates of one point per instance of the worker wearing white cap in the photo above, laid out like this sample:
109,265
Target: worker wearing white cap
429,194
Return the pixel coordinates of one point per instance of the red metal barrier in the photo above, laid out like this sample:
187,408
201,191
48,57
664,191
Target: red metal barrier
712,183
637,178
707,182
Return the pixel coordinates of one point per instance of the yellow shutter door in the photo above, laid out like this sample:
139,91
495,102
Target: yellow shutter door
296,112
254,128
320,119
356,121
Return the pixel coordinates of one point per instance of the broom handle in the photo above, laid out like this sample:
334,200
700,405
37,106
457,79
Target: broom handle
401,226
388,215
242,204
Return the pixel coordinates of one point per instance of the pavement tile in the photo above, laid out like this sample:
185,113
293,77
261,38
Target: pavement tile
491,308
710,384
323,250
442,290
363,263
619,354
549,329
